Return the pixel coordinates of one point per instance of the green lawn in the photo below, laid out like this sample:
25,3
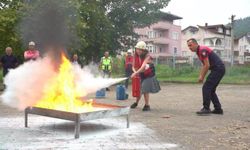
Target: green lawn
234,75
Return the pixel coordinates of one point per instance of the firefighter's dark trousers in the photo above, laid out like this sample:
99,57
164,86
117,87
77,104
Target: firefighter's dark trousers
209,87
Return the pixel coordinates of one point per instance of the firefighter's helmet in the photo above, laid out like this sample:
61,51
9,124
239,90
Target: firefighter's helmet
31,43
141,45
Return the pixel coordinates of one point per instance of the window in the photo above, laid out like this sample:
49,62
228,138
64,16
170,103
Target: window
150,34
218,42
155,34
184,53
175,35
220,30
175,50
209,42
152,49
161,50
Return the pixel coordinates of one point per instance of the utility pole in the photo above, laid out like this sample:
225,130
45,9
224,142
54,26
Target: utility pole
232,40
174,58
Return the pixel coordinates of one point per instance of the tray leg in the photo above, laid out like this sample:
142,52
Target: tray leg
127,120
77,127
26,118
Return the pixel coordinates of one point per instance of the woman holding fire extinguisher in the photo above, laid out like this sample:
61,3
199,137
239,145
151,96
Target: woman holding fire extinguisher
143,78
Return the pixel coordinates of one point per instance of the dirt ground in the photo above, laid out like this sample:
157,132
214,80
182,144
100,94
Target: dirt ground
173,117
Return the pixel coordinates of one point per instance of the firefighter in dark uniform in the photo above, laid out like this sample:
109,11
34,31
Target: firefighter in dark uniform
210,61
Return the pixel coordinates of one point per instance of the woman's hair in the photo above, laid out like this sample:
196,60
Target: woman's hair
144,53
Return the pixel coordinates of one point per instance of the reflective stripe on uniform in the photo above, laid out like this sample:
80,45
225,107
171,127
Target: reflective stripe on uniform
106,63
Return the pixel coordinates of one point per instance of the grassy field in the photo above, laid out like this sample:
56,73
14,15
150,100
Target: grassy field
187,74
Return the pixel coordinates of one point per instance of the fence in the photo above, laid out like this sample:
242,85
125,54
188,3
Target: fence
177,62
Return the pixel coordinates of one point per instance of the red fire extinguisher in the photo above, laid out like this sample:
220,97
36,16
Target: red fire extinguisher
136,86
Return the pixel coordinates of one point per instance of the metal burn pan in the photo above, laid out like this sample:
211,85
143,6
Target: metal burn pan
105,112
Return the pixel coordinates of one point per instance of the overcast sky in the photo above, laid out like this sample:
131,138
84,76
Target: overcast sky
198,12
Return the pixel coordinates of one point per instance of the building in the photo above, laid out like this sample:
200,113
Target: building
187,33
163,38
217,37
242,48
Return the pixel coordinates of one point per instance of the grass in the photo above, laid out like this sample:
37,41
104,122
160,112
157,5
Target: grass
180,74
187,74
237,75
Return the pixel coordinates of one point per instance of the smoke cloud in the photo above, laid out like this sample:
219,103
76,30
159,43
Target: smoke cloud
48,24
26,84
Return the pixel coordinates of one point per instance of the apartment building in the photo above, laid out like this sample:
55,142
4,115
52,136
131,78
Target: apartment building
217,37
163,38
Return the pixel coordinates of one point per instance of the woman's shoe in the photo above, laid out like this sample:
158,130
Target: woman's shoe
134,105
146,108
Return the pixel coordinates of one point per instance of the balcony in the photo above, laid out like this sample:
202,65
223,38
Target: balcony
155,55
218,47
161,26
162,41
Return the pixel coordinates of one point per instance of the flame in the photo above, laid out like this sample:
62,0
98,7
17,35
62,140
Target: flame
61,93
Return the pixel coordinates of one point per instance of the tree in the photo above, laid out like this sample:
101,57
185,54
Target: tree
242,26
8,21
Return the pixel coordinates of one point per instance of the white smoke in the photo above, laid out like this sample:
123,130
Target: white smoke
89,82
25,84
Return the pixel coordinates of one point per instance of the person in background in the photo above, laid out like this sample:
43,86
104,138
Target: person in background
128,66
31,53
8,61
143,66
75,59
210,61
106,66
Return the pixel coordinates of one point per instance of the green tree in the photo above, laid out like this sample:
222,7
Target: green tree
95,31
8,21
242,26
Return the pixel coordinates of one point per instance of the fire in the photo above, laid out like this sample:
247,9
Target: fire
62,94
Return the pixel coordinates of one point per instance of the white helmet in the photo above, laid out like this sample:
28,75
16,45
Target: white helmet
130,51
31,43
141,45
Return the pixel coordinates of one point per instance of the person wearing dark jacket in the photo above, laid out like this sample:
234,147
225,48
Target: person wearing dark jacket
8,61
210,61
